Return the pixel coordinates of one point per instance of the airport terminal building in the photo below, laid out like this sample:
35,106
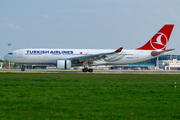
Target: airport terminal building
165,62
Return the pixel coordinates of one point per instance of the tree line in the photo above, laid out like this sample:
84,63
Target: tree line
6,64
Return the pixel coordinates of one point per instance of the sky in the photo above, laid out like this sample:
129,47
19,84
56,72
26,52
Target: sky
86,24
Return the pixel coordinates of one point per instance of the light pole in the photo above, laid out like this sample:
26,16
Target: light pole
9,44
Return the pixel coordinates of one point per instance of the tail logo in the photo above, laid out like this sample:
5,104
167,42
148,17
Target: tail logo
159,41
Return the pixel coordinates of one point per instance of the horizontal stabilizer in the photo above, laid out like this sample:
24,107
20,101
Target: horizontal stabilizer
156,53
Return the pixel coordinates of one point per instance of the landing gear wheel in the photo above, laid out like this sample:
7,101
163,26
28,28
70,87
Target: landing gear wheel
90,70
85,70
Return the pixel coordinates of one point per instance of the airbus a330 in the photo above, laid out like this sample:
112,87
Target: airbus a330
68,58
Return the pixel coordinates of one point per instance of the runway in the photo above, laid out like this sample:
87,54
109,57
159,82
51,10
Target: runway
94,72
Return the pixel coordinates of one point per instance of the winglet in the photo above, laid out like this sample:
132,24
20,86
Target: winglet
119,50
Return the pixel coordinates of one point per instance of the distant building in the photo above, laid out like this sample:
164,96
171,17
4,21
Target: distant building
1,65
39,67
165,62
169,64
135,66
164,57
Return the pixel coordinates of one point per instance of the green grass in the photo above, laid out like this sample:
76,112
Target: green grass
35,96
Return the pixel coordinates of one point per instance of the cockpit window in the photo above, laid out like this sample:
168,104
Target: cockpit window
10,53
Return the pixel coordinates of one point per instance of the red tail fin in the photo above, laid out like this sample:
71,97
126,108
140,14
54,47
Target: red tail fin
159,40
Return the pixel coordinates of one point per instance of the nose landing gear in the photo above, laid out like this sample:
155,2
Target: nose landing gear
23,68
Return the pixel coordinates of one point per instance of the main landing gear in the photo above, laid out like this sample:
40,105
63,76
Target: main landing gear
87,70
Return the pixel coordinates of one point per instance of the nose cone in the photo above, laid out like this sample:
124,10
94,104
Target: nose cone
5,57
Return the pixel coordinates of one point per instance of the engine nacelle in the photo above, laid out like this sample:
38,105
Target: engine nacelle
63,64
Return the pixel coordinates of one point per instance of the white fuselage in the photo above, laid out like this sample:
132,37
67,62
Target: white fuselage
50,56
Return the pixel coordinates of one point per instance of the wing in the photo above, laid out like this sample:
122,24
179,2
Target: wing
95,57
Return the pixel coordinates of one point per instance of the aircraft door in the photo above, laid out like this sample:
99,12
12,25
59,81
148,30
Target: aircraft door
136,54
45,58
20,54
45,55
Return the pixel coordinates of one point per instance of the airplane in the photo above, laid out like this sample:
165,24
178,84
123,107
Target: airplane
68,58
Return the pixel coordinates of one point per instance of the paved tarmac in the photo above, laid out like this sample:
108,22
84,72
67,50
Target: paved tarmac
95,71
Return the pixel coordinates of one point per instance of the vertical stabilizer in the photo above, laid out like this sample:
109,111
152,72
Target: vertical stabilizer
159,40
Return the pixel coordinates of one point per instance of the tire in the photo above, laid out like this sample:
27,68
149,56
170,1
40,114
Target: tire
84,70
90,70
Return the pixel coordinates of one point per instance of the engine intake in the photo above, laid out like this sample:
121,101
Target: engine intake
63,64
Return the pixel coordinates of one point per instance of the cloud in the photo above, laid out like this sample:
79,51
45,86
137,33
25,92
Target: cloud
176,16
13,27
45,16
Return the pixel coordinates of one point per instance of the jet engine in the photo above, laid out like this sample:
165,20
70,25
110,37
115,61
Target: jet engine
63,64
